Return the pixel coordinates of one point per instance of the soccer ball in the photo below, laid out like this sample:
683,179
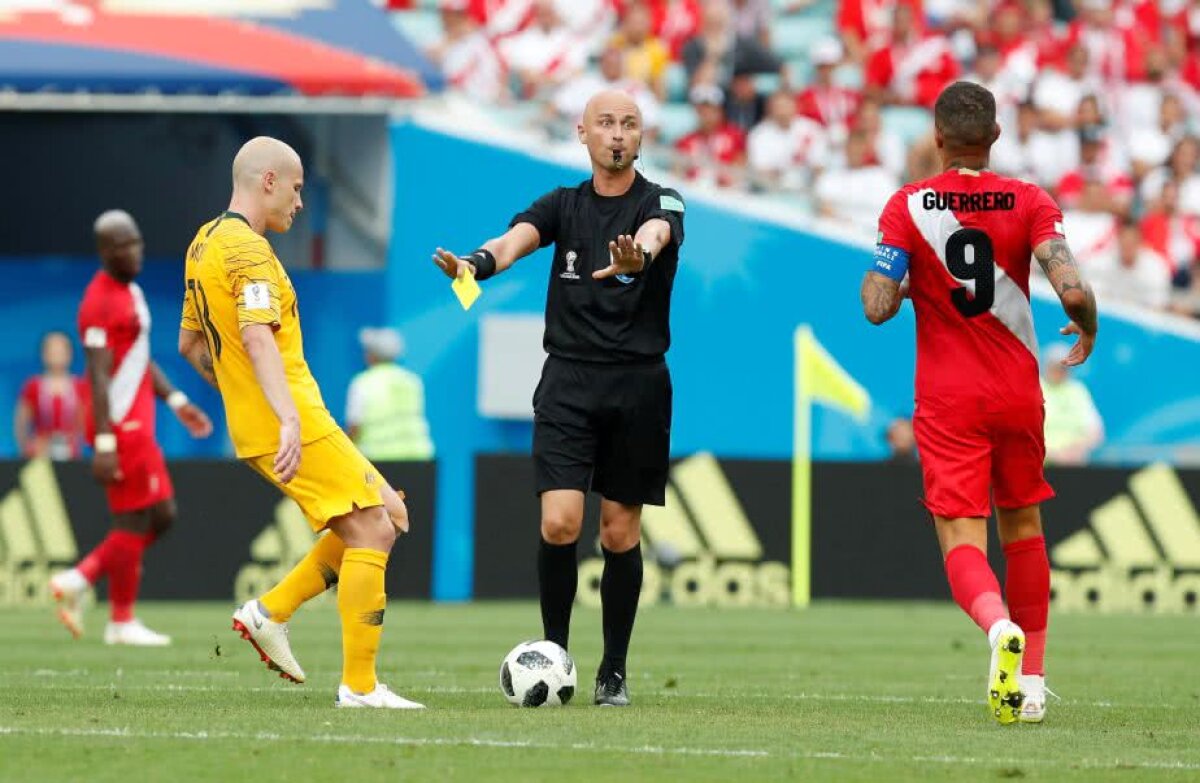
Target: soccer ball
538,674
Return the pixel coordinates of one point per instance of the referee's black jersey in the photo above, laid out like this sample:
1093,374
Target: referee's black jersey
619,319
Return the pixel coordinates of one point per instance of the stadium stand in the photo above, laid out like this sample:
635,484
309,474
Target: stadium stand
1098,101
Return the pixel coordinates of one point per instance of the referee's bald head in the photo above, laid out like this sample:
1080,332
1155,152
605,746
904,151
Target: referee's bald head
611,128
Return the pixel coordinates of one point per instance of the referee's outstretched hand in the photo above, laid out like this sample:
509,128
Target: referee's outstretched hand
451,264
628,258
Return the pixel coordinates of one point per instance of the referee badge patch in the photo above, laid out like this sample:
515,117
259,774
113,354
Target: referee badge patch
257,296
670,203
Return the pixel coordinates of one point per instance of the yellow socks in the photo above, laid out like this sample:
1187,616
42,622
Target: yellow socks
361,602
311,577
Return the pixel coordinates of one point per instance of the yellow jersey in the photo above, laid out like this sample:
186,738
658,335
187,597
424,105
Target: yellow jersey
234,279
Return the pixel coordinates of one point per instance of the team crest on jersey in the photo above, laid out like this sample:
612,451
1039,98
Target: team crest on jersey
569,273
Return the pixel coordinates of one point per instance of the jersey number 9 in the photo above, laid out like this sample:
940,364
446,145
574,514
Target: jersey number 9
980,268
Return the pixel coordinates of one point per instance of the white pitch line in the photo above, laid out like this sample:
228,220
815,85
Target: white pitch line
657,750
341,739
673,694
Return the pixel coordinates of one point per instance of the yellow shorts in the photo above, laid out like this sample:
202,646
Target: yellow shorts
333,480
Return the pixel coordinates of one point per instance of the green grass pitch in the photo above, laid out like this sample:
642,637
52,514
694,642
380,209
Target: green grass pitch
843,691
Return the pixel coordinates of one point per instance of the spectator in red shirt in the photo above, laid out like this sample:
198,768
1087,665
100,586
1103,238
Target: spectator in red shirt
866,24
1094,167
48,421
675,22
825,101
912,68
716,151
1174,236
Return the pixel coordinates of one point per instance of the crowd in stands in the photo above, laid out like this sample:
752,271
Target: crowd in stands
1098,101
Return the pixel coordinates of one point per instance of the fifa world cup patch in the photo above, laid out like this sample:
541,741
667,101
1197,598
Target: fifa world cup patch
257,296
670,203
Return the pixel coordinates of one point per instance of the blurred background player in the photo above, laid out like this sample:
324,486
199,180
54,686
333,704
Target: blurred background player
602,410
960,244
241,331
385,403
114,325
48,420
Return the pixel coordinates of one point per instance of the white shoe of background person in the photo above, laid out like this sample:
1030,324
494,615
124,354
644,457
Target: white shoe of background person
380,698
69,589
134,634
269,639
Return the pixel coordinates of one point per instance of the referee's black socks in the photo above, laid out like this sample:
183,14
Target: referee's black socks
558,579
620,588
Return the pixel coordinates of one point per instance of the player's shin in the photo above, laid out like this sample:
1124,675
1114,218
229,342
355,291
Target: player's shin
313,575
125,573
974,586
1027,587
558,580
361,604
620,588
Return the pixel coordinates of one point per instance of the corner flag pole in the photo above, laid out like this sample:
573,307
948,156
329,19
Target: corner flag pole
818,378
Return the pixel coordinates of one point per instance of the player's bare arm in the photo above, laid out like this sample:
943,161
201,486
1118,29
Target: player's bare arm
1076,295
881,297
105,467
504,251
194,348
632,254
194,420
259,341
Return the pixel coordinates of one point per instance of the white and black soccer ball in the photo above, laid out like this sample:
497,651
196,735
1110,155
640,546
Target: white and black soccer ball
538,674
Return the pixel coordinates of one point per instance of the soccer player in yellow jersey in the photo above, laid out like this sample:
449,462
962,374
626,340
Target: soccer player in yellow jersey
241,331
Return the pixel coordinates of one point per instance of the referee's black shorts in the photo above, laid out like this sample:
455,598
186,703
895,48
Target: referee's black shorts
603,427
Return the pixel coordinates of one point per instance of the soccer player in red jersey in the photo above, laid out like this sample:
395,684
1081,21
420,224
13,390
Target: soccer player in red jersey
959,245
114,326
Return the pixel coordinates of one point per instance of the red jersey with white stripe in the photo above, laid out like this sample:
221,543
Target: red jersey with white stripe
969,236
114,315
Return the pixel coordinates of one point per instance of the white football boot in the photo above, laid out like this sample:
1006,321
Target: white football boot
269,639
381,697
1033,709
134,634
1004,687
69,589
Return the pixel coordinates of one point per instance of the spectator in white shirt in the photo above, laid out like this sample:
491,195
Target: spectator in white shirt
1057,94
889,150
784,150
855,195
546,54
570,99
467,57
1135,274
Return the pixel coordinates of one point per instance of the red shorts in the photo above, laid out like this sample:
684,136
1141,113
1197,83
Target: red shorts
970,458
144,478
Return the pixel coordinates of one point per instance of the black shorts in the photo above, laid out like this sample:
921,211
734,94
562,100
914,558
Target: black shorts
604,428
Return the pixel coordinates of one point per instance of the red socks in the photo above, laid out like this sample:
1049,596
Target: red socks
1027,588
974,586
120,556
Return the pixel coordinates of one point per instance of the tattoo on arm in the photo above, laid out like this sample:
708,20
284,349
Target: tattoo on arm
880,297
201,359
1063,273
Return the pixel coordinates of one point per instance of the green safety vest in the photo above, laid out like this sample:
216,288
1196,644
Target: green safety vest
392,423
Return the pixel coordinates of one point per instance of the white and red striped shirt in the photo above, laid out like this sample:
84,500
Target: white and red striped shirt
114,315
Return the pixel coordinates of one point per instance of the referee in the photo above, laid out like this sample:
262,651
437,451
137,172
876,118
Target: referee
602,411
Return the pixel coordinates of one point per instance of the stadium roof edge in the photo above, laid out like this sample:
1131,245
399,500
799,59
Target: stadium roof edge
201,104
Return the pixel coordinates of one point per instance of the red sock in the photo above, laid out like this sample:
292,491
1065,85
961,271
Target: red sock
125,573
974,586
149,538
1027,587
97,562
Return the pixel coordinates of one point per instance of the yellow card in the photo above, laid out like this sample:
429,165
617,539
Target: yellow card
466,289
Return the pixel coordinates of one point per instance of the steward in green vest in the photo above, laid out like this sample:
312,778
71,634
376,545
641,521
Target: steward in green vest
385,404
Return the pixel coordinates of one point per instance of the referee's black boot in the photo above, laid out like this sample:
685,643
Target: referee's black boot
611,689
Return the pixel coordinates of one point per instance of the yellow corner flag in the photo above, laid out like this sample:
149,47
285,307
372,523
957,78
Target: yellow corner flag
819,378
